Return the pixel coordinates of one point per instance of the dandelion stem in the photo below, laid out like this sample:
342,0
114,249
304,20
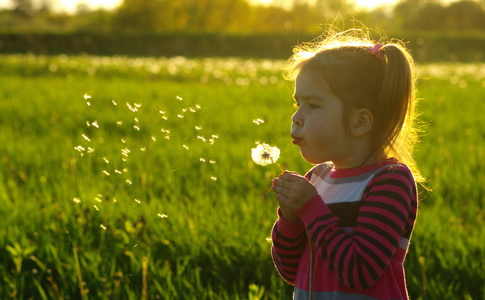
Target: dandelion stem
278,165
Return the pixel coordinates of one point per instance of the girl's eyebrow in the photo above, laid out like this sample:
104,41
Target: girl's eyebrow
306,97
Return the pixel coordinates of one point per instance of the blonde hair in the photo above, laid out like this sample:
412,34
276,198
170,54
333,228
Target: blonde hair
384,85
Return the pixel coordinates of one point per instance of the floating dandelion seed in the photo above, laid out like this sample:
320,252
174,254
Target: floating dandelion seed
86,96
129,181
143,149
106,160
213,178
118,171
102,226
137,105
106,173
165,118
202,159
197,106
212,161
114,102
137,201
198,128
95,124
186,147
123,141
163,216
192,109
264,155
119,123
201,138
179,98
95,207
79,148
154,139
161,112
98,198
76,200
258,121
86,137
135,119
180,116
136,128
87,123
90,150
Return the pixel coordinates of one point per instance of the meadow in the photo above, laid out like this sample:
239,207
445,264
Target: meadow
131,178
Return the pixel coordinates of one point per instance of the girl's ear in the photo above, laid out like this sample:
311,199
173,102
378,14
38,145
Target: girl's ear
361,122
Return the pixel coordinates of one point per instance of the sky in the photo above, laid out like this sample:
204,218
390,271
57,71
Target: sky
70,5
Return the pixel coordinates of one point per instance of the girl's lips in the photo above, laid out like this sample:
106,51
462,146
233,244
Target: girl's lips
296,140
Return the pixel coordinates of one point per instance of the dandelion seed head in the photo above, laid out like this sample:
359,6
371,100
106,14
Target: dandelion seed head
264,154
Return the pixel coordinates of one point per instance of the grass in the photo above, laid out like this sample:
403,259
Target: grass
174,208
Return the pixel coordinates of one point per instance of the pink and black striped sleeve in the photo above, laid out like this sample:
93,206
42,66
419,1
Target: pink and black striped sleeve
289,239
359,258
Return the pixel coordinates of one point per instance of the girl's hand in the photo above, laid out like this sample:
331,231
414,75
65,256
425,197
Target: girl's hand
292,191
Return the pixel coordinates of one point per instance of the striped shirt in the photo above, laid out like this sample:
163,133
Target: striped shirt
359,226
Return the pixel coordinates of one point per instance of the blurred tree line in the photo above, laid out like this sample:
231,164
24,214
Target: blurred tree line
241,16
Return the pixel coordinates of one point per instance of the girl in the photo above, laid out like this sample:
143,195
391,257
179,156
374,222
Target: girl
344,228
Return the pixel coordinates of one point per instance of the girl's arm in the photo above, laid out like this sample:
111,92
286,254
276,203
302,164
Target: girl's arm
289,239
358,259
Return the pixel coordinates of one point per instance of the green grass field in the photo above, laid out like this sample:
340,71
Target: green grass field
132,178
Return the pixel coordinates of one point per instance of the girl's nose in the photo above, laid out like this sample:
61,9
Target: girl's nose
297,119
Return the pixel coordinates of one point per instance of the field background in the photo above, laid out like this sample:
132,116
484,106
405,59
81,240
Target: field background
132,178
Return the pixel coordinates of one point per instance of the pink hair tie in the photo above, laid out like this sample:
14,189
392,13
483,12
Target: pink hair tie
376,50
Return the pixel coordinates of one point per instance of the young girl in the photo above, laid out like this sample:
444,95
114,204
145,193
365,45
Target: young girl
344,228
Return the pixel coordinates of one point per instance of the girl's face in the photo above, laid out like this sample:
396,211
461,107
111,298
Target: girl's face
318,125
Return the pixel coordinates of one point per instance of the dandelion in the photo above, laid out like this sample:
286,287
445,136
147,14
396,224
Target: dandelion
264,155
